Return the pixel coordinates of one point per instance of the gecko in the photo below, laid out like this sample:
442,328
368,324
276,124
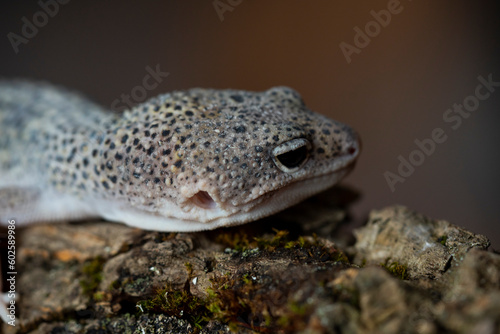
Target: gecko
188,160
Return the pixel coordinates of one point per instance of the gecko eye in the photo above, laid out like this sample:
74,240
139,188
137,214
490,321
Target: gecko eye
291,155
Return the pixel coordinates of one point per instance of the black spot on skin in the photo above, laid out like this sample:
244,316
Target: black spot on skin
189,113
153,135
71,155
165,133
137,175
156,180
164,164
112,178
320,150
183,139
124,139
85,162
240,129
109,165
167,152
206,144
169,114
128,149
135,131
258,148
112,146
105,184
193,145
135,161
177,147
276,138
178,163
151,150
118,156
326,131
153,126
237,98
178,107
312,131
147,133
244,166
85,175
236,159
136,141
210,169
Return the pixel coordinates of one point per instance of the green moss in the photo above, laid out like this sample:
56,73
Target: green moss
114,285
189,268
237,241
92,276
247,279
238,299
442,240
278,240
297,309
179,303
231,299
98,296
240,244
396,269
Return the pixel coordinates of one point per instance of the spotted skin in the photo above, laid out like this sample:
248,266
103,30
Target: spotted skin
182,161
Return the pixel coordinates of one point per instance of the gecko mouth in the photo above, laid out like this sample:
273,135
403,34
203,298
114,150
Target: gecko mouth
220,216
202,199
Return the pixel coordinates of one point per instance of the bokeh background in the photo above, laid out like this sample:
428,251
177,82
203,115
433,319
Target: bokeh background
395,90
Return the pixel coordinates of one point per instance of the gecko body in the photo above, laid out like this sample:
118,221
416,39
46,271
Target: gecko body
183,161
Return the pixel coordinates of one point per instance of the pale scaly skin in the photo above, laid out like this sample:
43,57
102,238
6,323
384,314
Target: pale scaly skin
184,161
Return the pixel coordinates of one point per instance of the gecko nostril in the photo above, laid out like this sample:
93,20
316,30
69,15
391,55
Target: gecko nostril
203,200
351,150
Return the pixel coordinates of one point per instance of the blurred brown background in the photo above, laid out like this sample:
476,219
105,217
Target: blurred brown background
395,90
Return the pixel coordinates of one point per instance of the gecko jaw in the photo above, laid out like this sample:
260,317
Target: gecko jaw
273,202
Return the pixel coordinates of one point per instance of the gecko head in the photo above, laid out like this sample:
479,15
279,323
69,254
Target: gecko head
204,158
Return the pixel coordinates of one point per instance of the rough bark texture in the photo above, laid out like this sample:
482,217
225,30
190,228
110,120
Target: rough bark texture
295,272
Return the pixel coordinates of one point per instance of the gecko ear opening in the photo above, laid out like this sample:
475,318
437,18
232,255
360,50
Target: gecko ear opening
203,200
